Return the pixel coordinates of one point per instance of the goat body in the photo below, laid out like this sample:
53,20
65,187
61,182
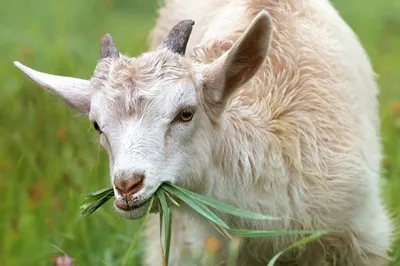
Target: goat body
270,106
299,140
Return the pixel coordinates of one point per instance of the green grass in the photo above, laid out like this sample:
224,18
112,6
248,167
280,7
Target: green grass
50,157
167,196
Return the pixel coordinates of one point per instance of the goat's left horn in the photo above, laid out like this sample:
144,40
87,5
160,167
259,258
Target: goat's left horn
177,39
108,48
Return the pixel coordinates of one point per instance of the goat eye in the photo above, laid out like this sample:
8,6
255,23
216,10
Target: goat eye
96,126
186,115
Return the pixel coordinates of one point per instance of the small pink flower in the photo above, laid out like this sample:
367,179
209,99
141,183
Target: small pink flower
63,261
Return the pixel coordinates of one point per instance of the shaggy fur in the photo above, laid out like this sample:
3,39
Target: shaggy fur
300,140
285,123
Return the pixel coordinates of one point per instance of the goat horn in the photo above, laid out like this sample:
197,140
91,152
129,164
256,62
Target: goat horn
178,37
107,47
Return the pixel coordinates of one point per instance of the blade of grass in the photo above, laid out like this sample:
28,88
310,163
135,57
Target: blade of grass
137,233
161,231
101,192
166,213
95,200
259,233
222,231
233,251
171,199
223,207
198,207
295,244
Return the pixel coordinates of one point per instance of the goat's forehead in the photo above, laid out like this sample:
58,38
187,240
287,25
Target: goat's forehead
130,73
128,83
161,99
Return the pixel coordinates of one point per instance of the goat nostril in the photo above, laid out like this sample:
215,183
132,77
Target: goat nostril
135,184
129,187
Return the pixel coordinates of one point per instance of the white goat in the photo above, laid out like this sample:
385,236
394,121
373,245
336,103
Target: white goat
272,108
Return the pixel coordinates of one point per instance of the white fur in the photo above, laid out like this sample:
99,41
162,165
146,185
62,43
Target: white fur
299,138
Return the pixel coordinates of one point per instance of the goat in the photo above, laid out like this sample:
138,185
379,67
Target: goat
269,106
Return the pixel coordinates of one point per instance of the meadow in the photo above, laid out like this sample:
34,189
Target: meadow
50,156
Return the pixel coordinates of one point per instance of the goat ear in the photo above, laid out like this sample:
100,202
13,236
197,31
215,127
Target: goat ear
76,92
238,65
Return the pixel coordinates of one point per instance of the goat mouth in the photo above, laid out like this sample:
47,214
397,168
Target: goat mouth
127,207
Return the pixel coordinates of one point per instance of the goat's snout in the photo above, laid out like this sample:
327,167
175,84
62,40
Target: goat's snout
128,188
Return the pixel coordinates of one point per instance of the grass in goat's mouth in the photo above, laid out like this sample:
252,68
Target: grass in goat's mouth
171,194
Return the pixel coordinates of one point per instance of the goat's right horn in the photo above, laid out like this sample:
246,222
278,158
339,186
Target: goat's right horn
108,48
178,37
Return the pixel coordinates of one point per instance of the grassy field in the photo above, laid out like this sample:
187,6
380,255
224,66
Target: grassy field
50,158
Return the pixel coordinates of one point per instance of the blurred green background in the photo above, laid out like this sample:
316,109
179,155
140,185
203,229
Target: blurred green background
50,157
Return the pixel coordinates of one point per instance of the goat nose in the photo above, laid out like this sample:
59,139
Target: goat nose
128,188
